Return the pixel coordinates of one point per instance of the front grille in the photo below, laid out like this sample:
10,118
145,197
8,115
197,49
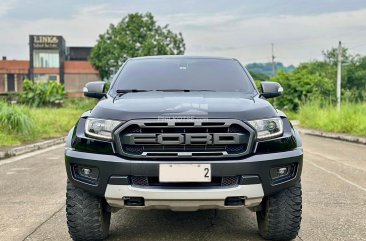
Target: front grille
229,181
145,181
140,181
183,138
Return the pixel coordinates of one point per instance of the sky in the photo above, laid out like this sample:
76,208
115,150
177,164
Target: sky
242,29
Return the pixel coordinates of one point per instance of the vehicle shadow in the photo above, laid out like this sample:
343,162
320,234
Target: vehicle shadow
167,225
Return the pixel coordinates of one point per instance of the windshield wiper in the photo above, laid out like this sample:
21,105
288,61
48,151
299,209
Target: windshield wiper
121,92
181,90
130,91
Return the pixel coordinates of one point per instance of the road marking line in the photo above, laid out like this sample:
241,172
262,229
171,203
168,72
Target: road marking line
338,176
333,160
27,155
45,221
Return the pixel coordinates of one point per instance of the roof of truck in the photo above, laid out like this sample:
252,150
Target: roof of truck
182,57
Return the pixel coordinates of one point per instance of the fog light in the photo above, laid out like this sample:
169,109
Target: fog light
278,172
86,174
85,171
281,171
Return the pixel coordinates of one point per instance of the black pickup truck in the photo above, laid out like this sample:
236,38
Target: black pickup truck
183,133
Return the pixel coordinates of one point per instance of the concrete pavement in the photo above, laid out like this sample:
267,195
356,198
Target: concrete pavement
32,196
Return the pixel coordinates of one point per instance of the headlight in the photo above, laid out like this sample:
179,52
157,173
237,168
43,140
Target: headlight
99,128
267,128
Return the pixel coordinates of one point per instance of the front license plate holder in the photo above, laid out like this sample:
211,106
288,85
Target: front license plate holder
185,173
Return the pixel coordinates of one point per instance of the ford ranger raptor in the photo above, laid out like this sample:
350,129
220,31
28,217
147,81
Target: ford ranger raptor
185,134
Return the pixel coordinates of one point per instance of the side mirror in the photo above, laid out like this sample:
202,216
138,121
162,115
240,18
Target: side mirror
271,89
94,89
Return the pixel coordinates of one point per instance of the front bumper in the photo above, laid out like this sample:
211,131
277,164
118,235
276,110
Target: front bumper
184,199
256,165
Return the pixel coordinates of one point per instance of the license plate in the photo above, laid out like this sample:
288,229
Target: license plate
185,173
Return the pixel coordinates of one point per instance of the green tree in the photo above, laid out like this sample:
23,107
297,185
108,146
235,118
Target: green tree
266,68
354,80
316,80
331,55
303,84
353,73
258,76
135,35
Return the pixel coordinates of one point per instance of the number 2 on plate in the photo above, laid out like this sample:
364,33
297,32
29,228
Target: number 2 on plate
207,171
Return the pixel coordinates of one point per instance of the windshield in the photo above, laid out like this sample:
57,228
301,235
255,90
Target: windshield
183,74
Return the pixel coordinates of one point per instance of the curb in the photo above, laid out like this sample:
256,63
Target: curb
16,151
331,135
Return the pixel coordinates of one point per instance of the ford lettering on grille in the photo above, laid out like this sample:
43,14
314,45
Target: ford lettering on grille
213,138
186,139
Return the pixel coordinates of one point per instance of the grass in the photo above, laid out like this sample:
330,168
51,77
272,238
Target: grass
291,114
15,119
350,119
21,124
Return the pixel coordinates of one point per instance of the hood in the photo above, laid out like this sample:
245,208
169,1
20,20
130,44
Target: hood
230,105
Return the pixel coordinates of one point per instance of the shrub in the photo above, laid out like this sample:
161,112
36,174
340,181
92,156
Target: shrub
303,85
350,119
80,103
48,93
15,119
20,124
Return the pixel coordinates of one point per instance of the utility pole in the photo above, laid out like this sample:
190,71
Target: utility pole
339,75
273,61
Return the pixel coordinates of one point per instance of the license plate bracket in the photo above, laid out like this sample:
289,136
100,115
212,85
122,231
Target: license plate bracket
185,173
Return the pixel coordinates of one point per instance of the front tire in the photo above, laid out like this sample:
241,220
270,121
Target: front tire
87,217
280,216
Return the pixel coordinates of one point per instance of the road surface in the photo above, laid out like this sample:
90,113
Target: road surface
32,202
